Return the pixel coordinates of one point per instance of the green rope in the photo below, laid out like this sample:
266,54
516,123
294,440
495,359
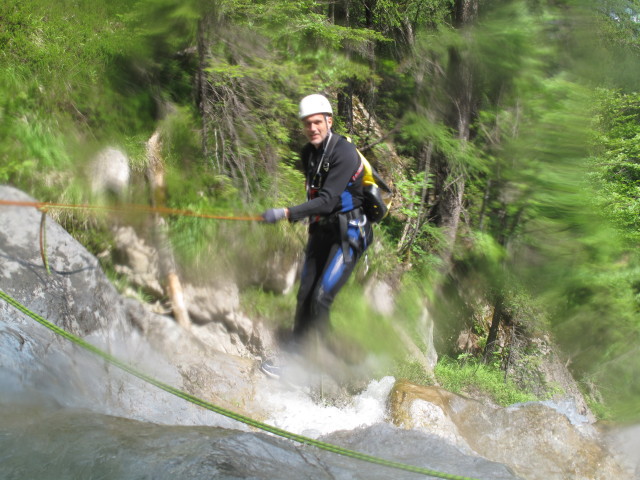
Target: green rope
227,413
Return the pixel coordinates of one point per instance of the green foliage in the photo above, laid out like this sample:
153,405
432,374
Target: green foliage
379,261
478,378
610,39
354,319
601,410
419,243
616,164
409,190
52,85
181,139
285,186
418,127
488,251
276,310
411,370
168,25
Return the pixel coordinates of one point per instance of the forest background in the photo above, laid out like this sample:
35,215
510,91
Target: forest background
508,129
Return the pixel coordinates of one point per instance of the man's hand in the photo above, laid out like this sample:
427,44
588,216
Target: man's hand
274,215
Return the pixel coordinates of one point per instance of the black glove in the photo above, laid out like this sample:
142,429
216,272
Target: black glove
274,214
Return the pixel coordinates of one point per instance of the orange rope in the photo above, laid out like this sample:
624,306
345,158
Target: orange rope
44,206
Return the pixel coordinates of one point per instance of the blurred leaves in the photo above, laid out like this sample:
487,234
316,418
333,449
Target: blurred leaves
616,166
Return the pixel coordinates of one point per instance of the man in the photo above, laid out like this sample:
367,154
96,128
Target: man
339,232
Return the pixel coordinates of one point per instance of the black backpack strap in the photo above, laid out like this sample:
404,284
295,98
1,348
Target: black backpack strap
381,183
345,240
343,228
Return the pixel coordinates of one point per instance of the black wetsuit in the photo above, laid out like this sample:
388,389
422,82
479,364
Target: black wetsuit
338,232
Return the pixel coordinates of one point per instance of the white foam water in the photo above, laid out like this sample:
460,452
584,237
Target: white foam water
296,411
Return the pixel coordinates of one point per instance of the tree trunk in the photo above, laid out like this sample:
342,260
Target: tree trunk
166,260
345,106
485,203
369,7
341,12
498,313
413,227
202,85
506,233
465,11
449,209
452,179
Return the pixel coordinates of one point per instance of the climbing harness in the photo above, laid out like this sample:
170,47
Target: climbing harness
222,411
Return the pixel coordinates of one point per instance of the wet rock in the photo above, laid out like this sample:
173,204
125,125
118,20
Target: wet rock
426,409
124,448
220,338
281,276
469,342
276,274
537,441
555,372
427,451
208,371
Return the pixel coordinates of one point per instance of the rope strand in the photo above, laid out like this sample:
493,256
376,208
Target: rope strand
127,208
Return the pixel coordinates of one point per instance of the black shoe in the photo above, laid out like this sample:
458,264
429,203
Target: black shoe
270,369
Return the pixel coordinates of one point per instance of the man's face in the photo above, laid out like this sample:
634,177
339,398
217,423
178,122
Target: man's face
316,128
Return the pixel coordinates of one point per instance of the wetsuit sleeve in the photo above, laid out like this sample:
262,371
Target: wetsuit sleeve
344,161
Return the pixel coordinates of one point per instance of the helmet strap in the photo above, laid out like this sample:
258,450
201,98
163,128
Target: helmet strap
328,139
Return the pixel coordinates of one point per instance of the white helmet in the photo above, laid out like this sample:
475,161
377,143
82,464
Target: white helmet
312,104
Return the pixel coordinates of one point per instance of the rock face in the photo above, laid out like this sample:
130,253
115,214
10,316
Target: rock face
213,307
78,297
74,295
536,441
137,260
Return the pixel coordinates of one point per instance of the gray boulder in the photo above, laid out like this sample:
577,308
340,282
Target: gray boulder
78,297
109,172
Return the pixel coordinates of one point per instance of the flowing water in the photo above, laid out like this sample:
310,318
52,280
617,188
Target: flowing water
69,415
